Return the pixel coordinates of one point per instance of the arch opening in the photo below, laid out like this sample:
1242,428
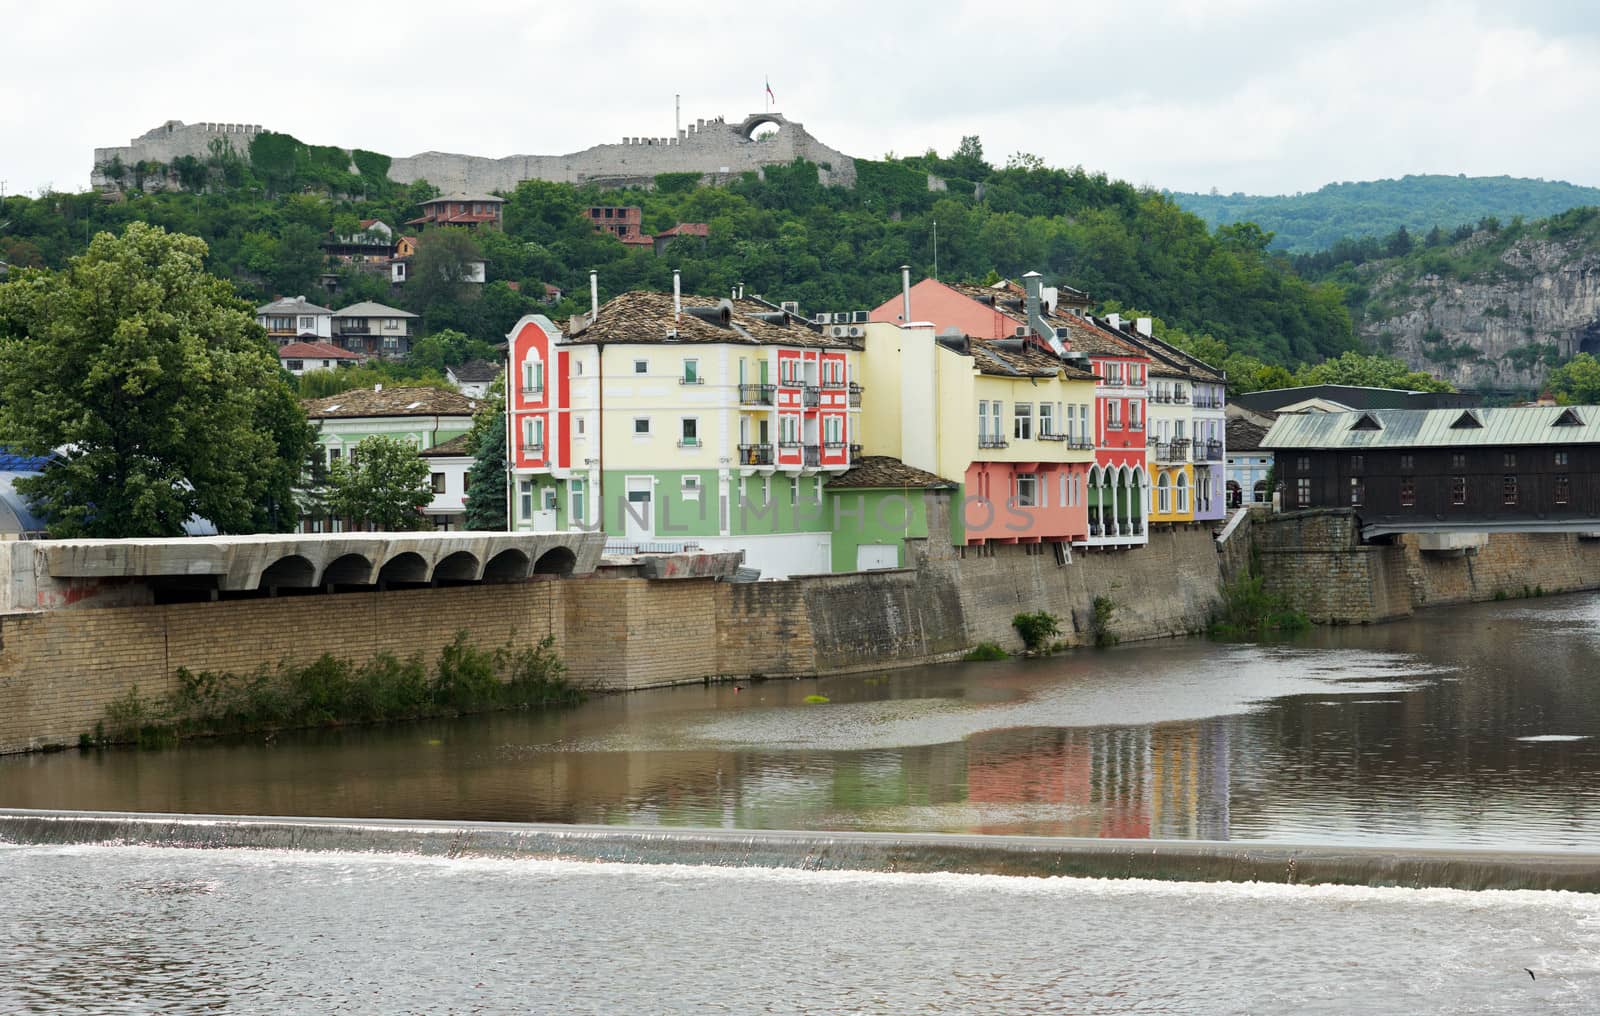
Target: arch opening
348,570
556,561
507,566
406,567
755,125
292,572
458,567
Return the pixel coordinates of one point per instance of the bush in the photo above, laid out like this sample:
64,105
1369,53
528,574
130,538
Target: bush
1248,610
985,651
1036,629
1101,612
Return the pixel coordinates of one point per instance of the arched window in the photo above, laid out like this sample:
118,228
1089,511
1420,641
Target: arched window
533,376
1163,495
1183,493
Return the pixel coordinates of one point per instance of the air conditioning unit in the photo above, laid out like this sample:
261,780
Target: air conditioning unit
856,331
859,317
791,307
840,331
824,319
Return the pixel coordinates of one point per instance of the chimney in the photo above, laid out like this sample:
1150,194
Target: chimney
905,294
377,388
1145,327
1032,283
677,294
594,295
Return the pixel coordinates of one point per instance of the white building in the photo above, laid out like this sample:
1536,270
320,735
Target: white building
449,467
292,318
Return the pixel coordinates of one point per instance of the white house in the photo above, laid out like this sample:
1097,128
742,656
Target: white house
449,466
374,329
291,318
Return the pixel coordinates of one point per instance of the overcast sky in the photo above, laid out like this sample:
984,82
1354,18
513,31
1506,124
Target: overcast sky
1261,96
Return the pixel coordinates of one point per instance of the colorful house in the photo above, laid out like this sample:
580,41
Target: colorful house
1005,419
686,420
878,504
1056,319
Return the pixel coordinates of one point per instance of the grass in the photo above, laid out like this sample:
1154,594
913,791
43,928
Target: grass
1249,611
984,652
330,692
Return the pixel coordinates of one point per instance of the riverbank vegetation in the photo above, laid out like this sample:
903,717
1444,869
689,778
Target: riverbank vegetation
333,692
1249,611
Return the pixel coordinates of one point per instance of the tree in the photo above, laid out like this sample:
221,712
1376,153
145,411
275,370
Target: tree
1371,371
1576,382
152,382
442,267
382,486
486,489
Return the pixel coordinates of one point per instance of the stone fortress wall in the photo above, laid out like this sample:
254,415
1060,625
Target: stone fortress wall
716,149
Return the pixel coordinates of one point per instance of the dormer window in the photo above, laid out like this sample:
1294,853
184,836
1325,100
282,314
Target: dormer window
1569,418
1468,420
1366,422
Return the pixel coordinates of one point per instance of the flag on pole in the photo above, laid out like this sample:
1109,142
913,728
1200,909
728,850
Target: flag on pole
770,96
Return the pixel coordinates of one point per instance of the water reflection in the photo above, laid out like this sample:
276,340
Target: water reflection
1468,726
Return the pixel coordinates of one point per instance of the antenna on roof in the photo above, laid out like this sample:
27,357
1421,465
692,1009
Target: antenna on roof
936,249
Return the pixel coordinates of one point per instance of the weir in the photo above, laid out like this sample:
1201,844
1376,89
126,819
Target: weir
1028,856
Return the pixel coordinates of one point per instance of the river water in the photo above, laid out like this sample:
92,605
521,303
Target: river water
1473,726
1477,726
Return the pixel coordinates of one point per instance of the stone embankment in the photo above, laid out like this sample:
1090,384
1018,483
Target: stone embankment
60,668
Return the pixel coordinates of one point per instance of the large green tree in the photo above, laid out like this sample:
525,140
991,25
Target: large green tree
155,387
382,486
1577,382
1373,371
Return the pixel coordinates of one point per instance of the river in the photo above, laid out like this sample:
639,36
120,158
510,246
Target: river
1471,726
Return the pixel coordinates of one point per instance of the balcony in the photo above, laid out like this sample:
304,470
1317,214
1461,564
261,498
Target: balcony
985,441
691,380
1180,450
1162,397
832,384
689,442
1052,437
811,397
755,455
855,453
1082,444
1180,398
756,395
813,456
1213,452
536,392
855,395
833,446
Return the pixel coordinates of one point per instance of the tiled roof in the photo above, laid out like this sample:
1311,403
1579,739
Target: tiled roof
455,446
367,309
1175,359
991,357
313,351
641,316
1085,336
687,229
462,197
477,370
1244,435
881,471
292,305
360,402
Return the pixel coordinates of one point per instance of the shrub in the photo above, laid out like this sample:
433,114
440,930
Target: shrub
1249,610
985,651
1101,612
1036,629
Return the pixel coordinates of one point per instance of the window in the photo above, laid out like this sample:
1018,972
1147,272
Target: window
1047,419
1561,458
526,498
1114,414
1408,492
1302,463
1563,489
580,426
1303,491
1022,421
333,455
532,376
1027,490
1508,489
533,434
575,510
691,372
436,482
995,409
794,490
983,421
689,435
1357,463
1183,492
1458,490
691,486
641,426
1407,463
641,366
295,365
1358,492
308,323
1163,494
1135,414
1511,460
1458,460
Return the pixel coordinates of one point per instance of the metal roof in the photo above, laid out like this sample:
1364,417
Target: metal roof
1435,428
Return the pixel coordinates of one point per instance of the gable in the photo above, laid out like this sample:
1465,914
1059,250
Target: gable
1366,422
1468,420
1568,418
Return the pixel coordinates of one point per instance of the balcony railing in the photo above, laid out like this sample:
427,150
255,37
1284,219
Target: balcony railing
813,456
826,383
756,395
1180,449
533,393
789,444
688,442
855,453
1180,398
833,446
755,455
1052,437
1080,443
1213,452
691,380
1163,397
855,396
811,397
985,441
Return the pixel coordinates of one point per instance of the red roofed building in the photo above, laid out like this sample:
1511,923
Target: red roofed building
698,230
299,357
470,210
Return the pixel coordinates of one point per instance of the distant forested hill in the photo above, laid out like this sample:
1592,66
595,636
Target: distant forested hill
1316,221
781,234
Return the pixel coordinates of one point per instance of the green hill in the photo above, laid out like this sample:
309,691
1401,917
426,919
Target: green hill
781,234
1310,222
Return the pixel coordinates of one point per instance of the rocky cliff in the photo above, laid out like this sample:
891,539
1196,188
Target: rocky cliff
1489,313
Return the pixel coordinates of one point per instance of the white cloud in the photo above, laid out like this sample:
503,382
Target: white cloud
1253,95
